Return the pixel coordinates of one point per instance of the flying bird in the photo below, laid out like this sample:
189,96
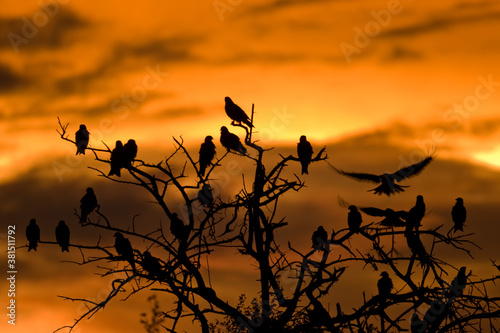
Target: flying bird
178,228
62,236
459,215
231,141
387,181
392,218
205,195
124,249
320,238
384,285
117,159
33,235
81,139
129,152
305,152
354,219
87,204
207,154
416,213
151,265
234,112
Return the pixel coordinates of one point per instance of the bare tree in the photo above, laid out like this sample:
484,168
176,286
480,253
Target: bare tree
248,223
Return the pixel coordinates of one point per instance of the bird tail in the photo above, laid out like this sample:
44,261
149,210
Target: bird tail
242,149
304,168
246,121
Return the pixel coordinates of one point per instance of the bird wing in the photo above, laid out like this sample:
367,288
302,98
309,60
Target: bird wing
360,176
412,170
372,211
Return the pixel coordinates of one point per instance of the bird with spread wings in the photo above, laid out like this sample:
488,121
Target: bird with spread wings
388,181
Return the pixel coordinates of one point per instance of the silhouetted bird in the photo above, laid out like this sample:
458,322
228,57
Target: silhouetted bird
415,244
459,215
417,212
354,219
178,228
129,152
417,325
205,195
236,113
81,139
384,285
391,218
33,235
320,238
117,159
62,236
151,265
386,180
458,284
231,141
87,204
207,154
124,249
305,152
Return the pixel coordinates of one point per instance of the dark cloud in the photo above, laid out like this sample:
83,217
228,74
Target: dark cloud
485,127
41,30
10,80
399,53
279,5
173,113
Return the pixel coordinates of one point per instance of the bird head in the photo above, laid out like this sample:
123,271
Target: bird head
83,127
460,200
118,235
90,190
119,144
353,208
420,198
208,138
62,222
33,221
227,100
131,141
224,129
320,228
384,274
146,254
303,138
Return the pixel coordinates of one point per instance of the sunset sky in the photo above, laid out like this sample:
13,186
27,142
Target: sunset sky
380,83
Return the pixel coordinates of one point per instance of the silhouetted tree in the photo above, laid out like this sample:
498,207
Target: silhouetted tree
416,297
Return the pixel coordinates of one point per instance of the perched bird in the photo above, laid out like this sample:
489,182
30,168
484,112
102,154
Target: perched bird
305,152
151,265
178,228
384,285
62,236
354,219
415,244
124,249
87,204
459,215
129,152
234,112
81,139
33,235
387,181
417,212
458,284
117,159
391,218
417,325
320,238
231,141
207,154
205,195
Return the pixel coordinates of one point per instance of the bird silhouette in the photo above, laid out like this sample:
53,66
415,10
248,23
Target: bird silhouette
458,284
234,112
81,139
391,218
354,219
129,152
117,159
459,215
33,235
205,195
207,154
387,181
178,228
87,204
124,249
384,285
62,236
231,141
416,213
305,152
320,238
415,243
151,265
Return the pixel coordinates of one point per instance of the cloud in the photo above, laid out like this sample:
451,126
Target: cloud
10,80
400,53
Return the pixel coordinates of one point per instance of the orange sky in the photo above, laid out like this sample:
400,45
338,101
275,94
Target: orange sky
417,82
